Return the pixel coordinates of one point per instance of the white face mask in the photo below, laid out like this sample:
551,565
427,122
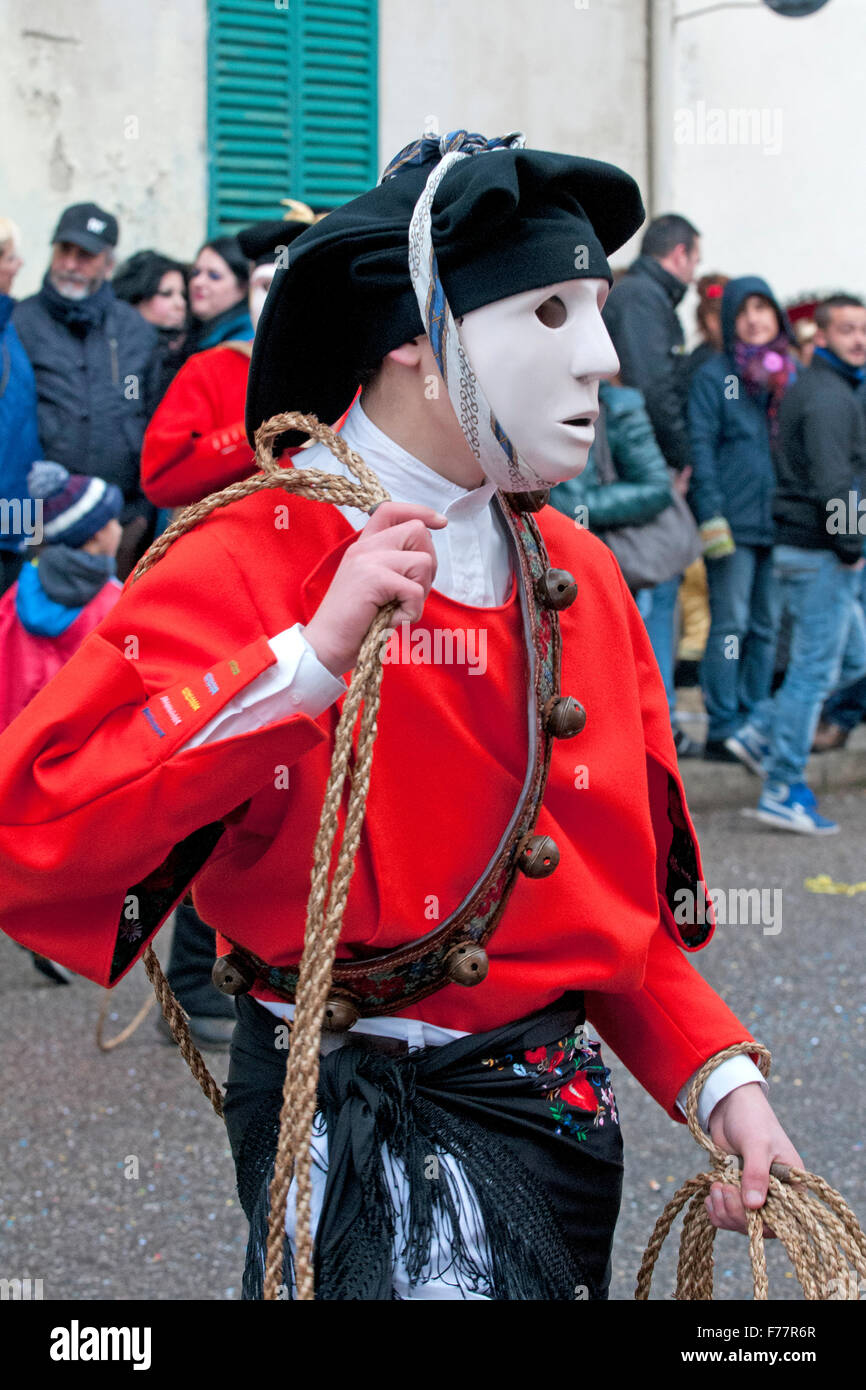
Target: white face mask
538,357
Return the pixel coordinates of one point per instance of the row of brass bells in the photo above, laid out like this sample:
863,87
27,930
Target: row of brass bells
467,964
563,716
232,974
556,589
340,1014
537,856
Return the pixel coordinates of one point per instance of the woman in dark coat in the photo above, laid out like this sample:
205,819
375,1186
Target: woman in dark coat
734,402
641,488
155,285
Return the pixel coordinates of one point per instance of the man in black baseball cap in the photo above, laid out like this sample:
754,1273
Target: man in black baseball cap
88,226
95,361
82,254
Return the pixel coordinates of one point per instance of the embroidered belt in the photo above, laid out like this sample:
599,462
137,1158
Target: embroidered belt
454,952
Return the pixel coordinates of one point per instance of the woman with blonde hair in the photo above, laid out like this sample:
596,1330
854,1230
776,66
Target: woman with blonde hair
10,259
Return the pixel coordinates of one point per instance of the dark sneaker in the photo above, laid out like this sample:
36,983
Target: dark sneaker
717,751
793,807
205,1031
751,748
828,737
57,974
685,746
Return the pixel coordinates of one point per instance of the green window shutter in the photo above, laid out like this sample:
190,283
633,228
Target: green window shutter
292,105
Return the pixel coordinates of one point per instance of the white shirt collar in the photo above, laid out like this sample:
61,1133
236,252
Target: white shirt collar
474,563
403,475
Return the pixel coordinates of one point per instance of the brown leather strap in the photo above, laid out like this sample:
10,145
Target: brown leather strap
387,982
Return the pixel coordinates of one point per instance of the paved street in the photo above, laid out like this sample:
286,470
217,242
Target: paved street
73,1119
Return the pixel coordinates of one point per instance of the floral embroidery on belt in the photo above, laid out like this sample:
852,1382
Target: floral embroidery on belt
574,1080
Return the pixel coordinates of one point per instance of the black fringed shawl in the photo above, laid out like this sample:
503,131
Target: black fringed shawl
525,1110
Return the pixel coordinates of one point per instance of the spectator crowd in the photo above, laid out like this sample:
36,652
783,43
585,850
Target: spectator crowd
727,481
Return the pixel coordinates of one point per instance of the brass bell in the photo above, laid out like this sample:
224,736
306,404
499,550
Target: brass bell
528,501
467,964
340,1014
537,856
232,974
563,716
556,589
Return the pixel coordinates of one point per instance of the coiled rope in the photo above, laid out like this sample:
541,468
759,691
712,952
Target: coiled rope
821,1234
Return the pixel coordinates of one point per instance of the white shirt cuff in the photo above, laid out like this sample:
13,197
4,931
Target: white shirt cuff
297,684
736,1071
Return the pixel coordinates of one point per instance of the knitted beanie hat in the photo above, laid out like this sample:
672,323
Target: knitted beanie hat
74,507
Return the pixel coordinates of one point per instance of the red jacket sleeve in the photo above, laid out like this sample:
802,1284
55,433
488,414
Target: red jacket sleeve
196,443
669,1027
105,818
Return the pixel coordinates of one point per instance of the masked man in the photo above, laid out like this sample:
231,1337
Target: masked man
533,845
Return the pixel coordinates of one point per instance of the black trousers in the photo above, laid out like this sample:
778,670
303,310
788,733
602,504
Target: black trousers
193,952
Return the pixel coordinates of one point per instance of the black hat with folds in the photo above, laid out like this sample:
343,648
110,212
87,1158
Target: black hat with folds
503,222
262,242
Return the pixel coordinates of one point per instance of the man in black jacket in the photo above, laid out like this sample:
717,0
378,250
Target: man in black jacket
95,364
817,558
641,317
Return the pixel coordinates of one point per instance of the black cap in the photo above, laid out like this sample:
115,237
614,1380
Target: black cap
262,241
503,222
87,226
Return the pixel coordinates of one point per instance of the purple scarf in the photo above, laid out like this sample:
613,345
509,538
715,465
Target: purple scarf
766,369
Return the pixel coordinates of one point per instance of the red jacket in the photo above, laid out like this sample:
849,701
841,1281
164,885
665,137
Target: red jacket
196,444
27,661
95,794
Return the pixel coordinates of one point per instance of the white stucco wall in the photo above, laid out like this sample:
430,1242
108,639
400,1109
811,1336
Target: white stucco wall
791,202
105,102
788,203
570,75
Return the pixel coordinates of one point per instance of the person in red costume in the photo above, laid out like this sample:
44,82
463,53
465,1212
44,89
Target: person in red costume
196,442
468,1144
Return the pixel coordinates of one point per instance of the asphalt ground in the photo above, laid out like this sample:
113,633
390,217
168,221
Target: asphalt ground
117,1182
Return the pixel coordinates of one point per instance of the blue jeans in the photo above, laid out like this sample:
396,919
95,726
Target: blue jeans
820,594
658,607
847,705
737,669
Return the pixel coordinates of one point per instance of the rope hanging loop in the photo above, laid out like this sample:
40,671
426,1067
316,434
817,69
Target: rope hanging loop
327,902
820,1233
